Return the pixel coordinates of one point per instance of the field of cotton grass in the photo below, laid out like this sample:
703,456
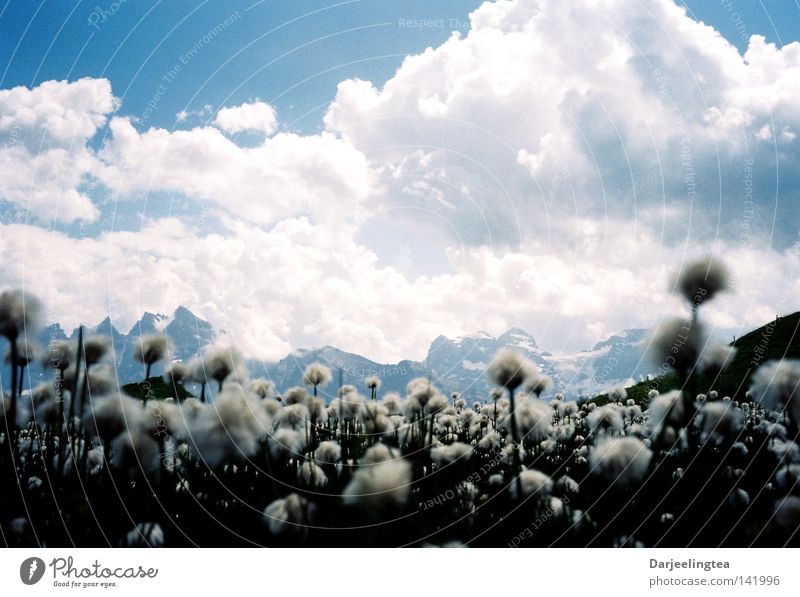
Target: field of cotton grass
82,464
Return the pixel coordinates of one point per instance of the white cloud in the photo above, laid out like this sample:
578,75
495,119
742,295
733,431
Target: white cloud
255,116
48,184
44,161
285,176
67,113
300,284
552,109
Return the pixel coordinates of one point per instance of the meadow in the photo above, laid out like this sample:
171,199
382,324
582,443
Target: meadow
673,464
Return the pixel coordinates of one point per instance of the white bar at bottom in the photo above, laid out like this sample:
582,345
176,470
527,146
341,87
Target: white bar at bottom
403,573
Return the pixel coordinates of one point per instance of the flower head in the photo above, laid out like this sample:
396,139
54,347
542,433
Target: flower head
263,388
231,427
701,280
622,460
776,385
534,419
328,452
95,348
510,369
177,373
532,482
220,362
455,452
19,314
719,421
58,356
152,348
380,487
317,374
290,515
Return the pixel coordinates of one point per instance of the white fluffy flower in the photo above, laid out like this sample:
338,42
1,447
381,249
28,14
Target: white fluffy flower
263,388
617,394
95,348
534,419
622,460
381,486
20,313
605,418
220,362
776,385
566,486
490,441
532,482
112,415
317,375
286,443
231,427
290,515
393,403
510,369
719,421
455,452
701,280
715,357
151,349
312,475
374,417
379,453
328,452
666,409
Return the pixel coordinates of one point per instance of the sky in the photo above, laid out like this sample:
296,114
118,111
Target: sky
372,174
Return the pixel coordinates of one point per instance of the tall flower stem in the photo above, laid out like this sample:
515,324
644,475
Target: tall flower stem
74,392
21,379
13,407
84,390
515,439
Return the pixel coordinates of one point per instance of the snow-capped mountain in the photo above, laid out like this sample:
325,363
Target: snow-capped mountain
453,365
189,335
461,363
619,360
352,369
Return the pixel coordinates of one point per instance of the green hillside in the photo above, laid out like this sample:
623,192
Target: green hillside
158,390
779,339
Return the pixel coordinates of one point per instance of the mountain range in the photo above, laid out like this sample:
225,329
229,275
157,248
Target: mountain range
454,365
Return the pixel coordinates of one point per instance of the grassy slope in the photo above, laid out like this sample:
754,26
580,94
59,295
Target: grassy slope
775,340
158,390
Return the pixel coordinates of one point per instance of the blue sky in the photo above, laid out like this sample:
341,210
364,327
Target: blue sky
548,169
290,54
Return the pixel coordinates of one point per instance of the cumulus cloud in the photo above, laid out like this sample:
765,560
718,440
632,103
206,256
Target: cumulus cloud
65,113
546,109
45,164
285,176
300,284
255,116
